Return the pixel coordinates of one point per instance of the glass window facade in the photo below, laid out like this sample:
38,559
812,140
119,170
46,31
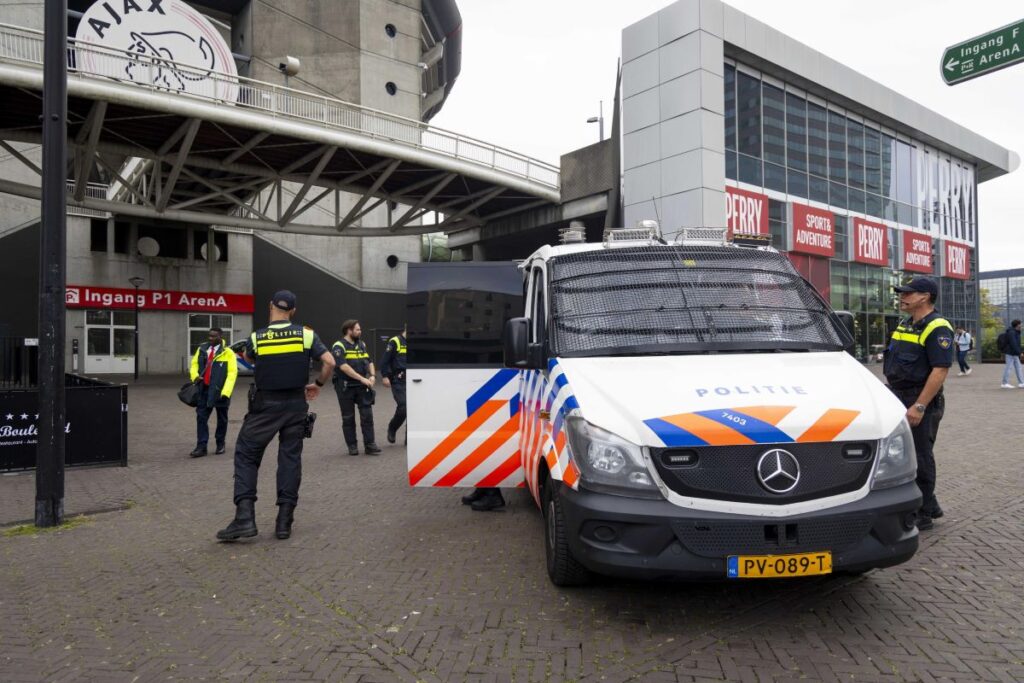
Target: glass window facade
803,148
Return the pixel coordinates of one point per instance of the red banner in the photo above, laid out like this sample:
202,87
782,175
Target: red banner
870,242
87,296
746,213
814,231
956,261
917,252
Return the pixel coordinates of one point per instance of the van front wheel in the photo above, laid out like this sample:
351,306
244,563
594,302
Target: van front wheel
563,568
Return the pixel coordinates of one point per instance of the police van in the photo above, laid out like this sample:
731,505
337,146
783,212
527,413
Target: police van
686,410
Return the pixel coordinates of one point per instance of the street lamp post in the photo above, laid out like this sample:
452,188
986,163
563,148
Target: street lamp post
599,120
136,282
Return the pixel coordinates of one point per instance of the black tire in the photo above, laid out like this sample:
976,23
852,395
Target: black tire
563,569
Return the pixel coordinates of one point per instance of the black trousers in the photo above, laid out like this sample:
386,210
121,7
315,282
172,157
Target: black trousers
287,421
925,434
398,391
349,399
203,412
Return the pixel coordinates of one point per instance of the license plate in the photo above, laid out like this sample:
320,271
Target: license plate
778,566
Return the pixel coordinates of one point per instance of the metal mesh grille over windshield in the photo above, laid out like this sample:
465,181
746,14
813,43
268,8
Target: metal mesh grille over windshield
677,298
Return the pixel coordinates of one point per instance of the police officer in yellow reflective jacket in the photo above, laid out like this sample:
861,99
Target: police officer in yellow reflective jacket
214,368
277,407
353,382
392,368
917,360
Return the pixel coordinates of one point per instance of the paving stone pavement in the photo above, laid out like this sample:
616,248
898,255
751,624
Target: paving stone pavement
381,582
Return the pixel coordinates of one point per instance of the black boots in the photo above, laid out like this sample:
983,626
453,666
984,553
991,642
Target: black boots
372,449
353,450
220,449
490,499
198,452
244,523
285,517
473,497
391,435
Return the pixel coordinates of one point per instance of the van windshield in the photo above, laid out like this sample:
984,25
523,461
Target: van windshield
669,299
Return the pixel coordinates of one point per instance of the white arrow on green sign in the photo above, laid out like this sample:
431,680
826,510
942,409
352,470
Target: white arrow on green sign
983,54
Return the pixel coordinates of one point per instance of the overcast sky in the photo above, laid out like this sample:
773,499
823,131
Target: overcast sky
533,71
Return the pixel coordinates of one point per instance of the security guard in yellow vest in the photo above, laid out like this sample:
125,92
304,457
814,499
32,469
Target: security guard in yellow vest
916,363
353,382
278,405
214,368
392,368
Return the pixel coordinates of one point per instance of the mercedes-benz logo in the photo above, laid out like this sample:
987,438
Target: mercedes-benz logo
778,471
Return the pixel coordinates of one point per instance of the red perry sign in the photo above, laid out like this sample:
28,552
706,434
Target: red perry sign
814,231
86,296
870,242
956,262
917,252
746,213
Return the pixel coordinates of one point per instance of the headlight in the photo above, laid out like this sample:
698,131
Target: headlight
897,459
607,462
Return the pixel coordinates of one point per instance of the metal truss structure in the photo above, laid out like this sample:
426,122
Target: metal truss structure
260,159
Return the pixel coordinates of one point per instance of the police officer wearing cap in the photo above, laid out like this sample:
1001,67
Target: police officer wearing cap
917,360
278,405
392,367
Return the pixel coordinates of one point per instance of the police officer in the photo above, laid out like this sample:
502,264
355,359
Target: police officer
353,382
916,364
392,368
277,406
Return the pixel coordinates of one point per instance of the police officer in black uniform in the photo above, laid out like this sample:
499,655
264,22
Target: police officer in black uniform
353,382
277,406
916,363
392,368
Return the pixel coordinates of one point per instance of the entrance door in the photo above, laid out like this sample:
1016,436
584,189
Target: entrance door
109,342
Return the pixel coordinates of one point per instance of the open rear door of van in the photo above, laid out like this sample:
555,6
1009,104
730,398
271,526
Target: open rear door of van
463,404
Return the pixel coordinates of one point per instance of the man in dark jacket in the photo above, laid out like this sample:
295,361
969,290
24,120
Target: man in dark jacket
214,368
393,370
1011,353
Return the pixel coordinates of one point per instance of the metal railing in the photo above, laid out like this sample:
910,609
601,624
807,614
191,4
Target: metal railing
24,45
92,191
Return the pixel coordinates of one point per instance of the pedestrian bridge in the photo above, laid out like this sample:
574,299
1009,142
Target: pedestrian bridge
250,154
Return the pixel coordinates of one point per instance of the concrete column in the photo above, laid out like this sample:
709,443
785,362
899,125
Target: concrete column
673,117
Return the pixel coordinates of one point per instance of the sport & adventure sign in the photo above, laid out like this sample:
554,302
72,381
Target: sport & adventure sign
983,54
956,261
746,213
159,43
87,296
814,231
870,242
917,252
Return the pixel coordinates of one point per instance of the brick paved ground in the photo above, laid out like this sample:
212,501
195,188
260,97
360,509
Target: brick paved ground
384,583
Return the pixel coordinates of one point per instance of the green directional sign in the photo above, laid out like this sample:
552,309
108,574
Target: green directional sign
983,54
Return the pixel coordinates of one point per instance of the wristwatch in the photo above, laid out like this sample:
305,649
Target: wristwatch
920,407
318,382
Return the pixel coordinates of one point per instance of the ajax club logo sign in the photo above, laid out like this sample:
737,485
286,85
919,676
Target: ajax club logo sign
165,44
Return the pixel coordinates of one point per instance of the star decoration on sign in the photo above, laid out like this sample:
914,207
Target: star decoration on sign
37,416
24,416
8,416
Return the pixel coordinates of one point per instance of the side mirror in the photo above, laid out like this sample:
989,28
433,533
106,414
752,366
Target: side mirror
846,333
519,352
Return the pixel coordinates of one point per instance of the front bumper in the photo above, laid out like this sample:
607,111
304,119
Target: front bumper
654,539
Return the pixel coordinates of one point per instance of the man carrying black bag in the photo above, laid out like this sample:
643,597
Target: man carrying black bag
353,382
277,406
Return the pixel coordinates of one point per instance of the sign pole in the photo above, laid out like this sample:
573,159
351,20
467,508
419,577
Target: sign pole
52,252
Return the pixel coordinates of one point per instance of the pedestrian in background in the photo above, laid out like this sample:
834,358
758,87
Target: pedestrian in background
916,364
354,378
392,369
278,406
1011,349
964,343
214,368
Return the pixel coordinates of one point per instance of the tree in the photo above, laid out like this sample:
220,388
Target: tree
991,327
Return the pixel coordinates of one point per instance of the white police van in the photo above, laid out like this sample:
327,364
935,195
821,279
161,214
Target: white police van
675,410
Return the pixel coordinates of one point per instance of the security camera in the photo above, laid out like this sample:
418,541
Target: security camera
290,66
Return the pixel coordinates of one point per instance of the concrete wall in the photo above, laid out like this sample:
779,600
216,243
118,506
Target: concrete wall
673,123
